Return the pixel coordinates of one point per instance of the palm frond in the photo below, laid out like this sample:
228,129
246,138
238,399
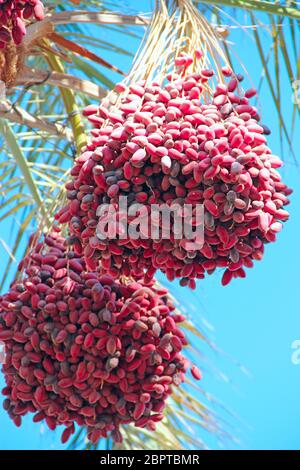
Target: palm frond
289,9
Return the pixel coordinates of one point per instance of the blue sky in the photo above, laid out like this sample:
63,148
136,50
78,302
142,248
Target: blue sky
255,320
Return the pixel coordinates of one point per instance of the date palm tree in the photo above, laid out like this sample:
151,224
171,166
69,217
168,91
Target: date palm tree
74,57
